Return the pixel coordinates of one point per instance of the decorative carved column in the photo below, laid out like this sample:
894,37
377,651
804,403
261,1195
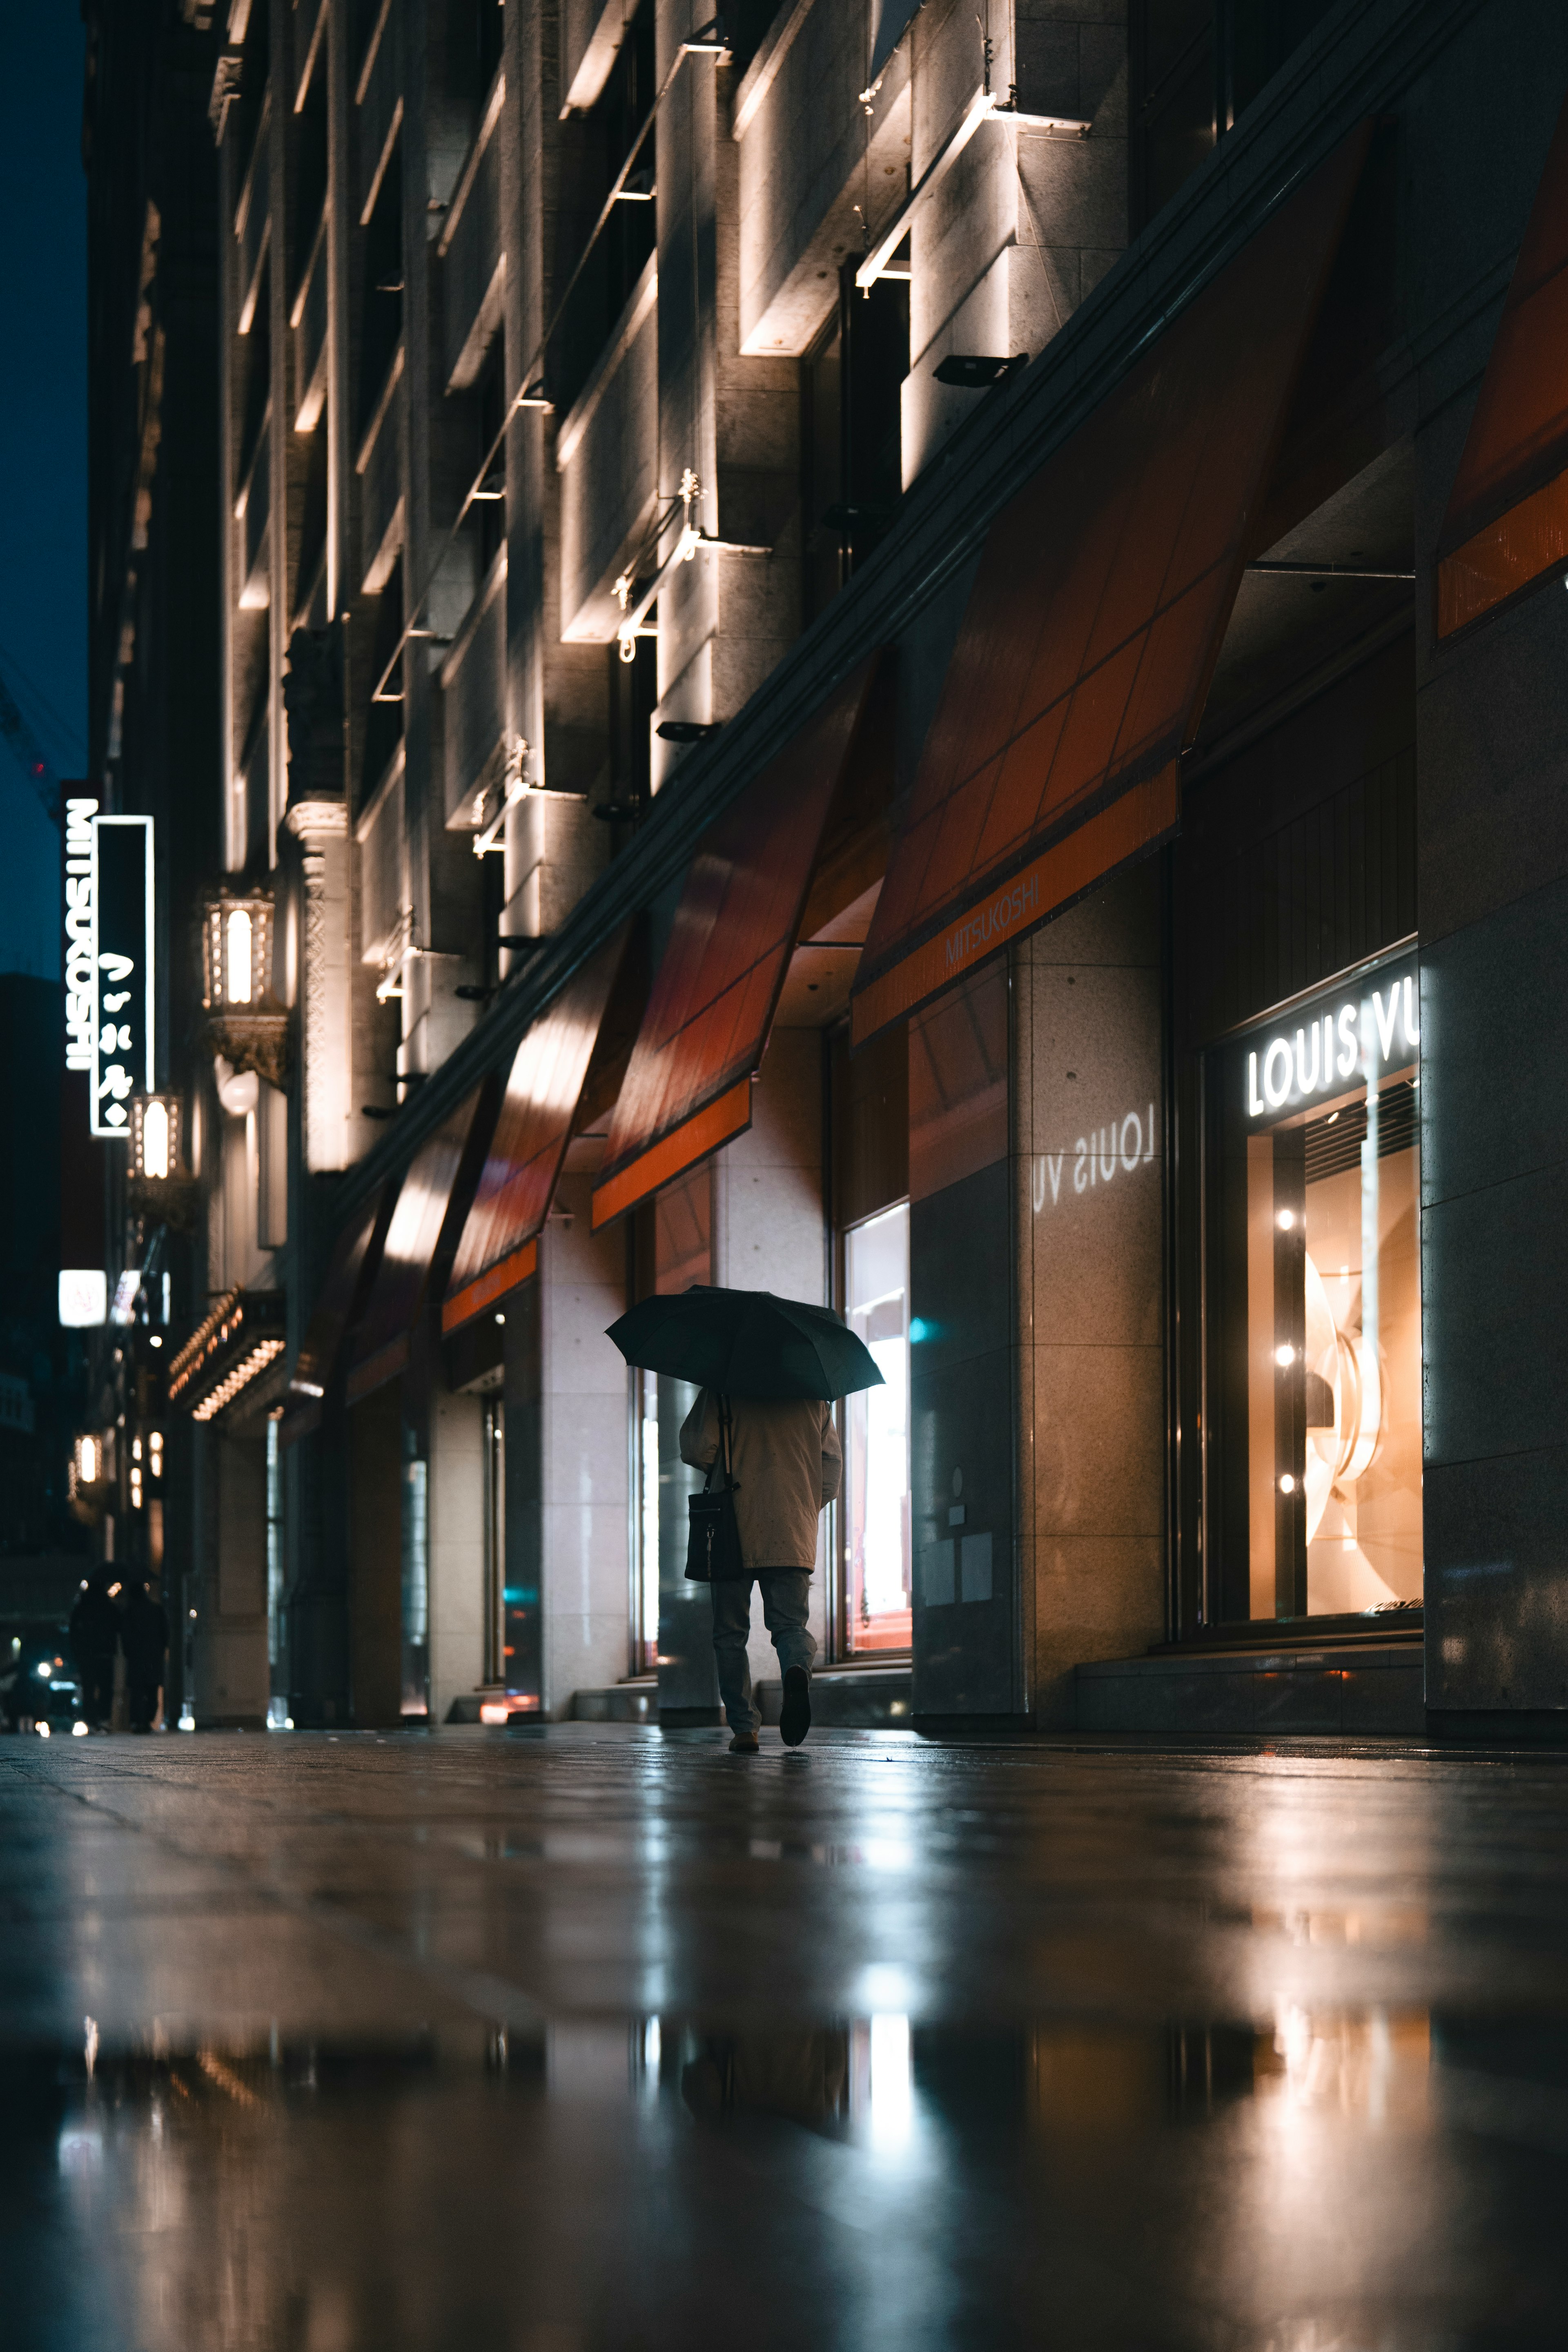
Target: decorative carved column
325,1008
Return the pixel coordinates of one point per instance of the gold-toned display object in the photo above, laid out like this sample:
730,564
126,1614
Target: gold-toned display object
246,1023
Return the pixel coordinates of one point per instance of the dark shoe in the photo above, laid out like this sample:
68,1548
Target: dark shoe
795,1716
745,1743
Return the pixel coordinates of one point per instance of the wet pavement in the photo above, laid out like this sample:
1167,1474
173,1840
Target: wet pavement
591,2036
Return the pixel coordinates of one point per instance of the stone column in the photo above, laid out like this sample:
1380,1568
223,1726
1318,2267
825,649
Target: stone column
1088,1189
325,1008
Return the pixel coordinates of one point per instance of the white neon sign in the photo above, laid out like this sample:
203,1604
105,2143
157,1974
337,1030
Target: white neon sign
119,909
1374,1030
82,946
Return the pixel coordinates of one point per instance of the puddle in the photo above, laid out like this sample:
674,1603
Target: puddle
1363,2181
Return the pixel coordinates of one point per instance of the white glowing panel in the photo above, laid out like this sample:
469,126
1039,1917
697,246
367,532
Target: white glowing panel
82,928
84,1297
122,913
1375,1029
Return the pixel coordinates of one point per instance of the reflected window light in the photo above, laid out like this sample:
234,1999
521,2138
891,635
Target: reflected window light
239,958
893,2098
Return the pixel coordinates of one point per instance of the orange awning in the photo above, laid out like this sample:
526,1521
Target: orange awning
1080,669
1507,521
431,1202
500,1247
688,1086
351,1269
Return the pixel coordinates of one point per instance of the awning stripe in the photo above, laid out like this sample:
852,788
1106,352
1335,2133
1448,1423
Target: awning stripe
434,1196
714,1125
544,1089
688,1086
1505,527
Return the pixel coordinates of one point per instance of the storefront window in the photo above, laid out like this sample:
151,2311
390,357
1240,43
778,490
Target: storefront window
1316,1311
877,1437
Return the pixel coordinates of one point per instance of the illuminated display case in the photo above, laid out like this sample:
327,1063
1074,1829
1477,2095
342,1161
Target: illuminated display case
1312,1242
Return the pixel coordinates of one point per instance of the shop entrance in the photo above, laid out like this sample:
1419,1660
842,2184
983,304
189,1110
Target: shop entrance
1317,1335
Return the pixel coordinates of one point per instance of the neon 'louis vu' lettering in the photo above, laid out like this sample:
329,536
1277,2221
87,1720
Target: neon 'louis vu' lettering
1326,1051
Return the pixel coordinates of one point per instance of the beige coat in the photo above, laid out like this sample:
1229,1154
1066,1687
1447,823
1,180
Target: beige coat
787,1463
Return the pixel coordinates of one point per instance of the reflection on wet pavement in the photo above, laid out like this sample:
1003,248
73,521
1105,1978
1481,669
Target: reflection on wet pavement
338,2072
1373,2180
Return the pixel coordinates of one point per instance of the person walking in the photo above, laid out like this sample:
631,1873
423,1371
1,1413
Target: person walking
95,1637
786,1464
144,1637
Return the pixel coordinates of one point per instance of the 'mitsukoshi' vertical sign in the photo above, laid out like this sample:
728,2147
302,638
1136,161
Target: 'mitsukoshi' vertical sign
81,953
122,1057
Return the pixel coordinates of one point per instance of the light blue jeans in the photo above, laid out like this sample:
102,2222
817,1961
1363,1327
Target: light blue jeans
786,1603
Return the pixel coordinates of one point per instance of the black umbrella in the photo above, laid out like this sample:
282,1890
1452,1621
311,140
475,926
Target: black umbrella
746,1343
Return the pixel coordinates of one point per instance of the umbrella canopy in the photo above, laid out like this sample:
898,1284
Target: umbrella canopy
745,1343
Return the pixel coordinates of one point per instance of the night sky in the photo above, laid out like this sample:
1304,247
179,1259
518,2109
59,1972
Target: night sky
42,451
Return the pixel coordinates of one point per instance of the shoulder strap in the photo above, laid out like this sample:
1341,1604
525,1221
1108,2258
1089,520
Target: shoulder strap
722,1451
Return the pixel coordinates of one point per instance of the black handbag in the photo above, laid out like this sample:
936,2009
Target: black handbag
714,1542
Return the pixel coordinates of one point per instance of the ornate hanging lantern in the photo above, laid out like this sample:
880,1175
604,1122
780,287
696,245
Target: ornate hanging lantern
246,1023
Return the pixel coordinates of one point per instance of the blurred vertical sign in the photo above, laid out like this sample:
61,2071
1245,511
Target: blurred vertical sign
121,1007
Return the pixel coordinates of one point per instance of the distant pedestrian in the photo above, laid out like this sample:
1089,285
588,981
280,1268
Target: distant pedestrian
144,1637
95,1637
787,1463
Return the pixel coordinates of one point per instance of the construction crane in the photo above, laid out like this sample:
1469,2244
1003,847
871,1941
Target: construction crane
19,734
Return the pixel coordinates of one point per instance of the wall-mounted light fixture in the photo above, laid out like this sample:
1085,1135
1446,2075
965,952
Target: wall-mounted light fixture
93,1458
246,1023
237,951
156,1137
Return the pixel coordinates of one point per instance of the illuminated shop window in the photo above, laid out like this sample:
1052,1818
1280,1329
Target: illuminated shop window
1316,1465
877,1437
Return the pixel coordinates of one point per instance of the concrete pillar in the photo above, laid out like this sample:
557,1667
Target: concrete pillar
1087,1181
230,1634
330,1126
457,1548
1491,727
586,1517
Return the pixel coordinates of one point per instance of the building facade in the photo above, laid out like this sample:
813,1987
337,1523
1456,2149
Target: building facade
910,660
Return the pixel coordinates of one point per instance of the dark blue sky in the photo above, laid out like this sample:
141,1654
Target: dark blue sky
43,449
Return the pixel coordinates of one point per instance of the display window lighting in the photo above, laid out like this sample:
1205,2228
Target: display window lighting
264,1353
